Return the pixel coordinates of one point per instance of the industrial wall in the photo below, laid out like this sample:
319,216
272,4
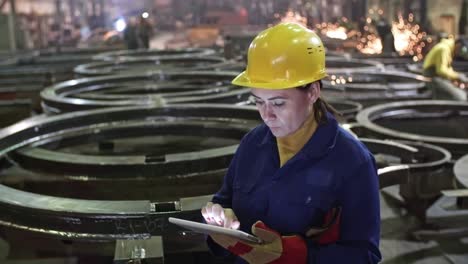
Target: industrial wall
444,15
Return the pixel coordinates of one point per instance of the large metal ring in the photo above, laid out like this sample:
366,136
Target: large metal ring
379,117
159,88
103,220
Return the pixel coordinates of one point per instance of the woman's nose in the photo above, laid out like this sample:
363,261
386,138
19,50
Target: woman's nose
267,112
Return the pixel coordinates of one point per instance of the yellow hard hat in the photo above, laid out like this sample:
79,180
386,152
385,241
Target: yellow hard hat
287,55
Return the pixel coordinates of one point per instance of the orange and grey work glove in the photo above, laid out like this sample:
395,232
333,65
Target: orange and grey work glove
276,249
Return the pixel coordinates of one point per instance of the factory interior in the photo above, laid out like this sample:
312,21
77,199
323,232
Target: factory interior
116,115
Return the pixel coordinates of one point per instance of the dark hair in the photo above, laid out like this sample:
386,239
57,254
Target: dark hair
321,107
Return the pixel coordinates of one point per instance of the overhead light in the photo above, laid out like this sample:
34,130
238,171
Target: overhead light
120,24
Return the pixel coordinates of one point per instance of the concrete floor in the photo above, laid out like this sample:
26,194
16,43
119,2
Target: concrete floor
158,41
399,247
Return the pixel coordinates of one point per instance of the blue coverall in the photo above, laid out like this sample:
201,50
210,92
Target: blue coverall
332,169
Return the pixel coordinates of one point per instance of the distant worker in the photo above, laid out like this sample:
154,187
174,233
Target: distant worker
144,31
438,62
130,34
384,29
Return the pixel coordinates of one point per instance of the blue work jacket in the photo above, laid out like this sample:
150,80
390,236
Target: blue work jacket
332,169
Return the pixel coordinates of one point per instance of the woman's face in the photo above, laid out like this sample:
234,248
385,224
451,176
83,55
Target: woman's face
285,110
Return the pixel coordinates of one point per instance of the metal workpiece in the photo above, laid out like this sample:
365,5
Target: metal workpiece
428,166
417,155
222,121
52,58
390,158
393,175
151,187
152,89
402,162
144,65
53,61
152,54
450,212
67,51
8,57
43,127
343,64
389,60
426,172
26,75
78,219
197,159
43,67
54,64
33,77
415,68
458,65
346,109
71,51
461,171
442,123
139,251
430,172
373,87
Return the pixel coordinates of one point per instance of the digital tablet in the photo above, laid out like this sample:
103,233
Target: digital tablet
211,229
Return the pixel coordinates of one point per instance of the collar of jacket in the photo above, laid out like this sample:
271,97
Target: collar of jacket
449,42
322,141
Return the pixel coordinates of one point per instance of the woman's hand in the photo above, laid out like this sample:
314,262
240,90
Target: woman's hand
215,214
275,248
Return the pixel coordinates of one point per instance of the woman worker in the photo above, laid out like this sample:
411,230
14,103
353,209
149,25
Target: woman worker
301,183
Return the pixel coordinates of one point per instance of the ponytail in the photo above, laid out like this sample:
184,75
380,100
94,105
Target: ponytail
321,107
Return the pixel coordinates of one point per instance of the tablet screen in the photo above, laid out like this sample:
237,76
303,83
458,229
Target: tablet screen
211,229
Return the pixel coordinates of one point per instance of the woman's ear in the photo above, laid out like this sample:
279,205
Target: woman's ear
313,92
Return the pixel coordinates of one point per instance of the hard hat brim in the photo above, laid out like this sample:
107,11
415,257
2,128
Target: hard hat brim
243,80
